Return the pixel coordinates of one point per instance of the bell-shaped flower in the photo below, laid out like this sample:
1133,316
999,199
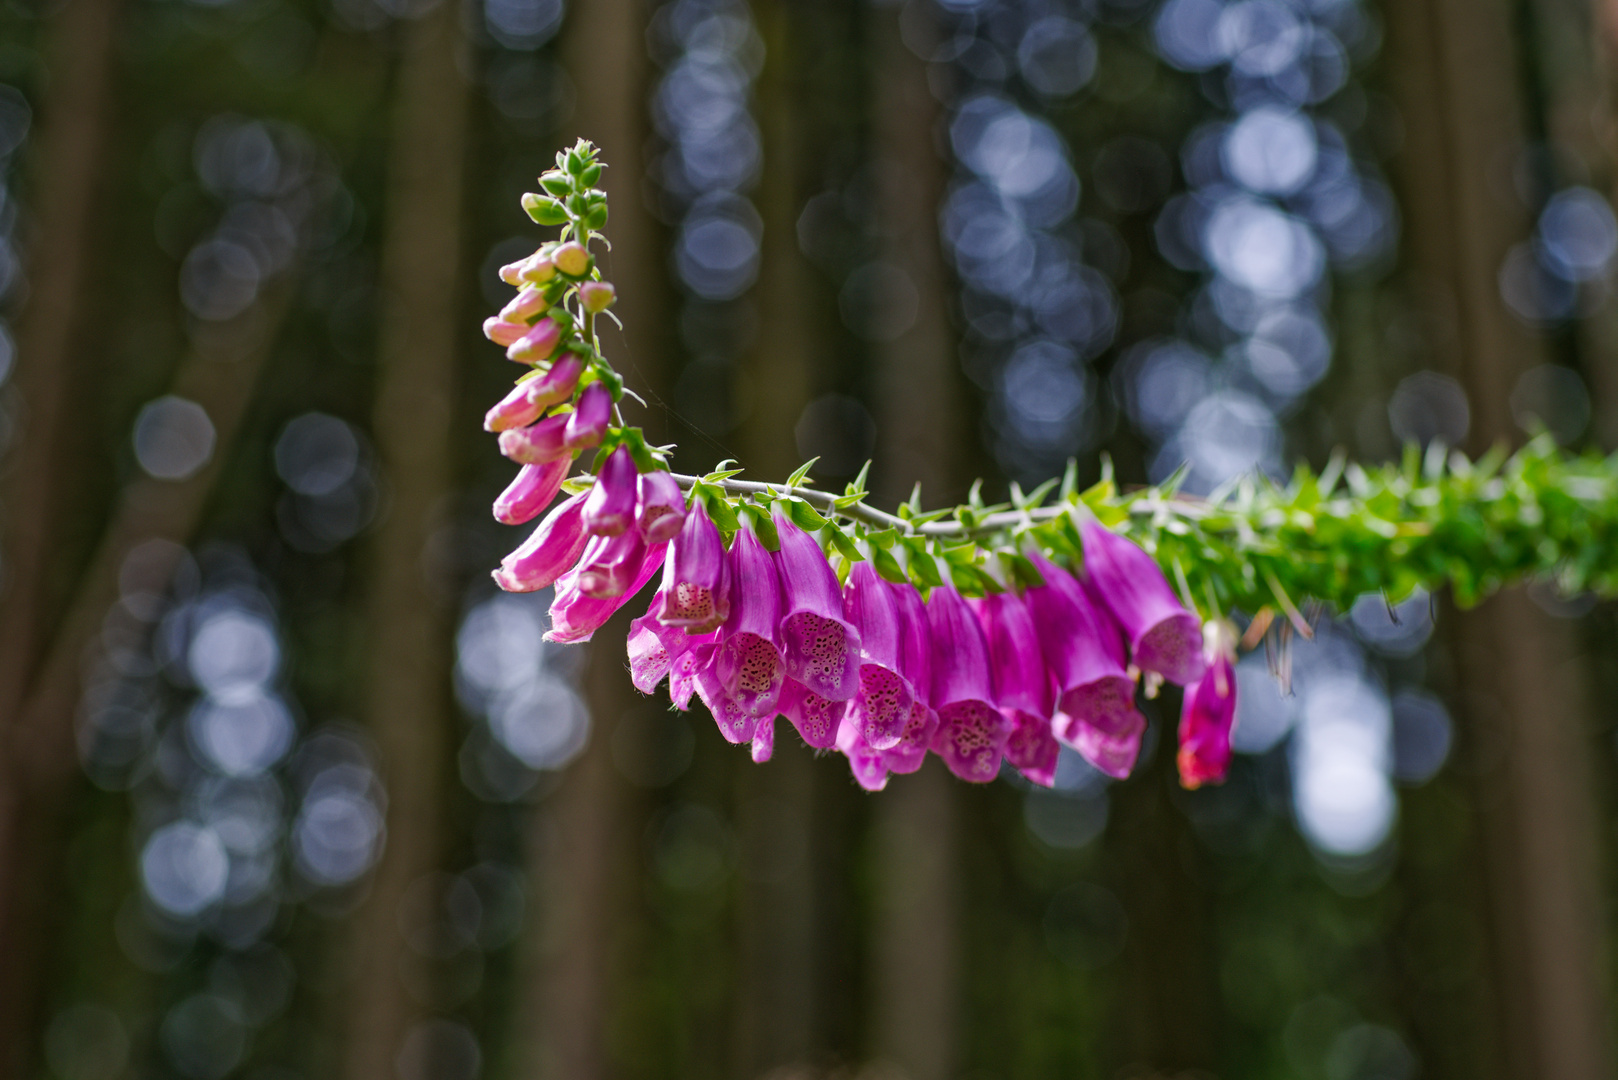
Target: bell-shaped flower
548,553
537,344
822,649
1206,721
1083,650
1163,636
653,648
696,579
1113,752
527,496
610,509
537,443
816,717
557,384
916,665
1022,684
609,564
869,769
588,421
748,661
502,332
661,506
575,617
685,667
882,704
512,411
971,736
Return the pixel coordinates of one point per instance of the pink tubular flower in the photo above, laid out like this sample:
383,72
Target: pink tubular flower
528,302
557,384
527,496
589,420
1206,721
748,661
1163,636
512,411
1114,752
609,564
869,769
537,443
816,717
661,506
575,616
501,332
972,734
653,648
547,554
610,509
882,704
822,650
916,665
1022,685
697,657
696,578
536,344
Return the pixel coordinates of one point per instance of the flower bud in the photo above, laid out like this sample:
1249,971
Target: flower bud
511,273
662,506
557,384
588,422
548,553
525,305
501,332
537,269
544,209
610,509
537,344
537,443
1206,720
598,296
514,410
610,563
531,492
1163,636
572,259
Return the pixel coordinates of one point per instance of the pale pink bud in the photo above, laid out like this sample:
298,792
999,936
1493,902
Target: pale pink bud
598,296
536,344
511,273
588,423
516,409
557,384
501,332
537,269
537,443
571,259
524,305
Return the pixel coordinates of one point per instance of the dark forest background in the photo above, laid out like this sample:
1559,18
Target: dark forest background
288,789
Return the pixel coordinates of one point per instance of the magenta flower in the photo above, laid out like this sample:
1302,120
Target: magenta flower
537,344
557,384
1206,721
527,496
548,553
528,302
696,580
537,443
764,740
822,650
1083,650
653,648
1022,685
610,564
512,411
661,506
501,332
816,717
1163,636
869,769
916,665
697,657
589,420
1113,752
610,509
575,616
971,736
748,661
882,704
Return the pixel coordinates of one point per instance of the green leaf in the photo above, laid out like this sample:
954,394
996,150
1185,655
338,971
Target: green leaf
804,516
858,485
800,476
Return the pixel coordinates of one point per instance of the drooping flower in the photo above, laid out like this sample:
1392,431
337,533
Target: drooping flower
1113,752
661,506
575,616
916,665
971,736
537,443
821,648
501,332
536,344
1022,684
588,422
557,384
748,661
696,581
512,411
548,553
697,657
610,563
527,496
1206,721
869,769
653,648
881,706
1084,651
1163,636
816,717
610,509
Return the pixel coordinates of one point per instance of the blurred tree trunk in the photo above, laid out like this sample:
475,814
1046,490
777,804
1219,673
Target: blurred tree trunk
408,681
776,981
1601,336
916,928
1521,680
585,848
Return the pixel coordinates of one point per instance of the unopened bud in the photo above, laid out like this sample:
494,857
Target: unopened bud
571,259
544,209
511,273
537,344
501,332
597,296
524,305
537,269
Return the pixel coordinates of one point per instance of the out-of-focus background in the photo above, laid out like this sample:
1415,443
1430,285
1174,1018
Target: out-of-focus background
289,790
